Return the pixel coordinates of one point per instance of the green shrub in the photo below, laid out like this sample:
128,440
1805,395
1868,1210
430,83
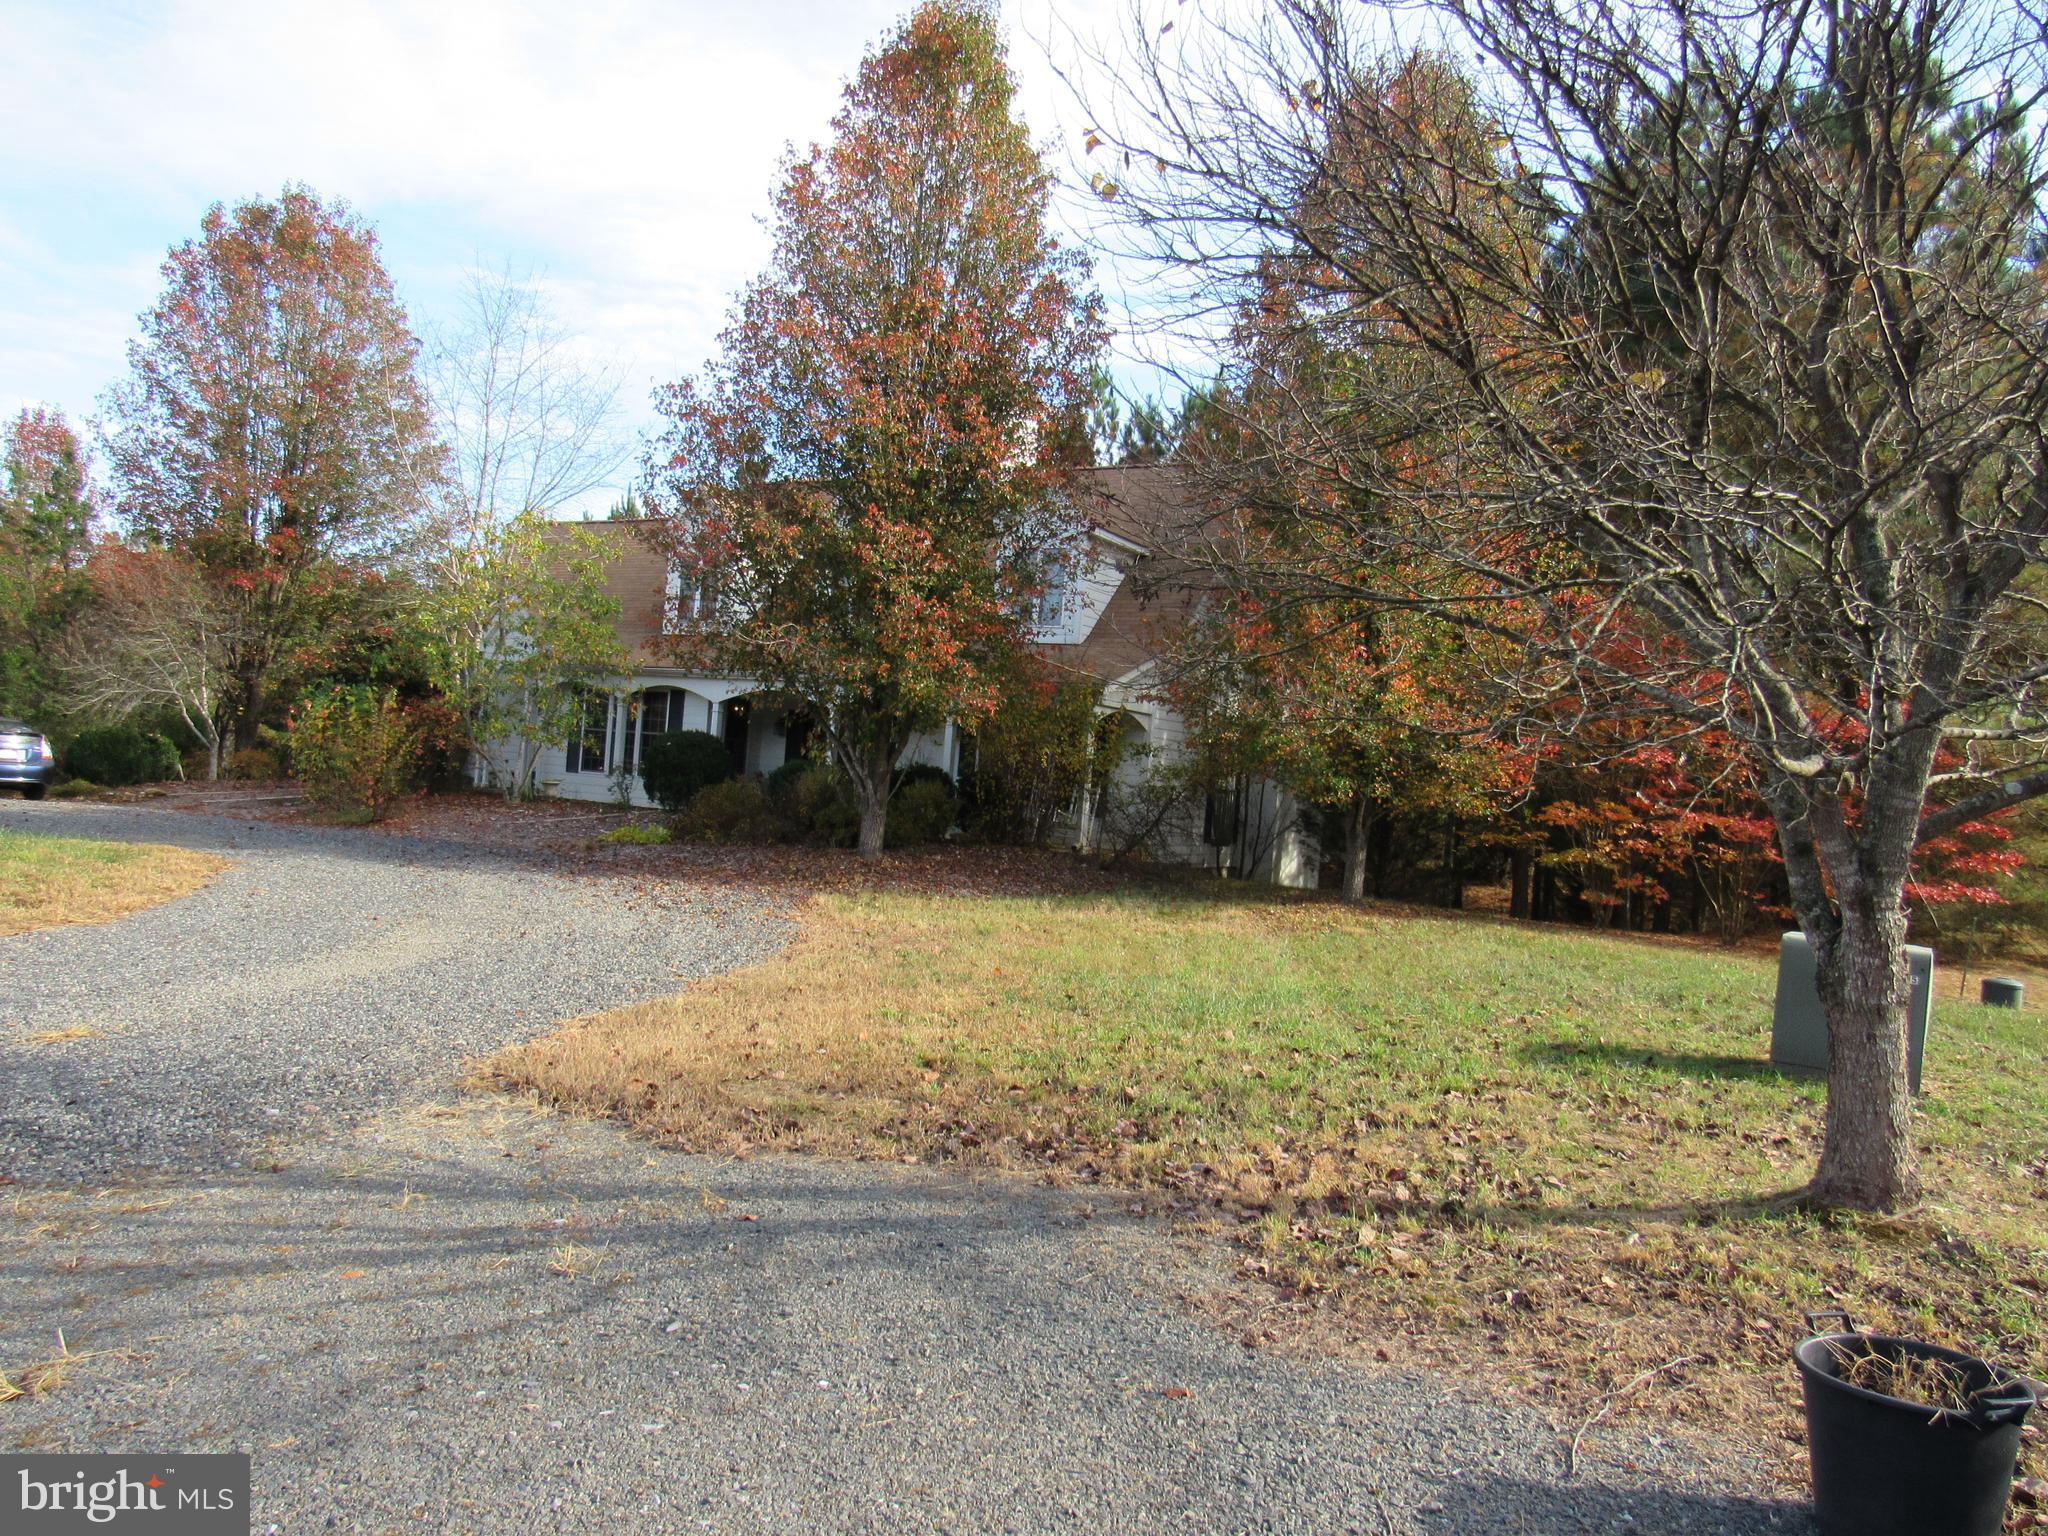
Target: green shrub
356,750
676,765
255,764
823,806
638,834
119,755
921,773
736,811
73,789
783,781
922,811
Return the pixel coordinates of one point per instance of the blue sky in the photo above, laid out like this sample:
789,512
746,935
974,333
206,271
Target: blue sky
624,149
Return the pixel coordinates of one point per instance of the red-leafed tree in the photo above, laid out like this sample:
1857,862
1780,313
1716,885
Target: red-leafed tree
1643,826
866,480
272,419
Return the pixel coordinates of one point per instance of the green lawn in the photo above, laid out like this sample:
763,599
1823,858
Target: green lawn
45,881
1559,1154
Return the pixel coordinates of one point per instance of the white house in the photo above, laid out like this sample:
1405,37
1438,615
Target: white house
1095,622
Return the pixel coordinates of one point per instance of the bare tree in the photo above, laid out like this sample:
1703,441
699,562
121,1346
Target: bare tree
530,424
155,638
1696,349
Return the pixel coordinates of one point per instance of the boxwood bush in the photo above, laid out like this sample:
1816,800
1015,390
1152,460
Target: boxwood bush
119,755
675,765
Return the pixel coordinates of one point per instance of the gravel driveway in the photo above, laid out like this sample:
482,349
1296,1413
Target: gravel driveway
327,973
442,1312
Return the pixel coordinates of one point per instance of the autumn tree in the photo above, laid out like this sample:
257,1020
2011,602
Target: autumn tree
1727,319
272,419
1369,719
866,480
47,507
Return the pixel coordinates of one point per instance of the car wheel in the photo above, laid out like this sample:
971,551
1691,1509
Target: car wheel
32,791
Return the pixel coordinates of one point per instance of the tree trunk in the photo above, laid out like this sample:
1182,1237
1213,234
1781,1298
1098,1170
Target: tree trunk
872,785
213,758
1866,1158
1848,884
1519,870
1358,825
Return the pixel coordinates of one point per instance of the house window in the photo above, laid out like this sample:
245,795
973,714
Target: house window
1220,817
687,597
593,727
1049,616
661,710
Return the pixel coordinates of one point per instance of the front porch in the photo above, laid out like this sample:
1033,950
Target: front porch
603,758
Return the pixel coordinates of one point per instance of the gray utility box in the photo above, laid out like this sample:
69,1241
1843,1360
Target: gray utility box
1799,1030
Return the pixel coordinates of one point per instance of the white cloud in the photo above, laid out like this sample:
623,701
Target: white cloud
625,147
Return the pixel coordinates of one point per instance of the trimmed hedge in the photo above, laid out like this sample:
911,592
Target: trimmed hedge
921,773
782,782
119,755
676,765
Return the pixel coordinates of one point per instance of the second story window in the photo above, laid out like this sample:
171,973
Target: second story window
1055,602
688,600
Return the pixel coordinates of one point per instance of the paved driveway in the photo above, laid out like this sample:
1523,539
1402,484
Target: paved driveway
420,1310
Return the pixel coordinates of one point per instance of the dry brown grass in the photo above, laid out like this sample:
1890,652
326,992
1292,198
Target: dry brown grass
1549,1157
59,1036
804,1053
46,882
572,1261
1911,1378
41,1377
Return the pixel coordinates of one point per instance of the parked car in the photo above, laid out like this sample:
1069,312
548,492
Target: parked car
26,758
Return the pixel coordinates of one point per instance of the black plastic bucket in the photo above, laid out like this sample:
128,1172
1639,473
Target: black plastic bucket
1883,1467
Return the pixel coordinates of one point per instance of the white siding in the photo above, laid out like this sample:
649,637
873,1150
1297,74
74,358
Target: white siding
1082,593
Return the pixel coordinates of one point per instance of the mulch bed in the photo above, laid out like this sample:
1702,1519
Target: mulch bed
567,833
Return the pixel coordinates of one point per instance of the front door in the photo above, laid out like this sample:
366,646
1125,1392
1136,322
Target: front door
796,736
738,716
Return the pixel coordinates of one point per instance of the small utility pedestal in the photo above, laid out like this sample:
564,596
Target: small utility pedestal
2002,992
1799,1030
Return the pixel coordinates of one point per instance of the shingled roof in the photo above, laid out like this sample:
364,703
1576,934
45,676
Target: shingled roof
1137,505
